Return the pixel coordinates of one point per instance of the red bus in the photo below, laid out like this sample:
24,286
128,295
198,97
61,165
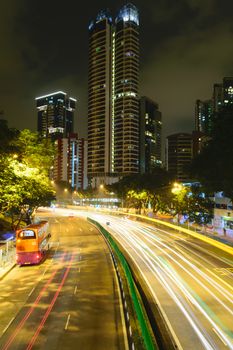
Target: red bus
32,242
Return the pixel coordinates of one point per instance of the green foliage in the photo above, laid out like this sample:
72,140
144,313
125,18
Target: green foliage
24,181
140,191
35,151
190,201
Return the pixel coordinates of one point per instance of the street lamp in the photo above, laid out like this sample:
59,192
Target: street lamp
177,188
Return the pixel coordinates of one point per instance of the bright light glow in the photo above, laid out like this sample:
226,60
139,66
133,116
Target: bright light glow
53,93
176,188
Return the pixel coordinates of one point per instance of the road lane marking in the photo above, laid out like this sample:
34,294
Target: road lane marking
216,332
38,330
31,291
29,312
8,325
75,289
67,322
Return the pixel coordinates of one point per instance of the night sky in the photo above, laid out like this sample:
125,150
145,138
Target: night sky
186,46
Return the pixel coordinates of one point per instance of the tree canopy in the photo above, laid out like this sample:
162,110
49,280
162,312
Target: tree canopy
24,174
213,167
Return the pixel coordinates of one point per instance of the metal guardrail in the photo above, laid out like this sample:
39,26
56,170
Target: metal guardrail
7,252
146,335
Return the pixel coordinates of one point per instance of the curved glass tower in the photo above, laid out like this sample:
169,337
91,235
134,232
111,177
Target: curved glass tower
113,103
125,92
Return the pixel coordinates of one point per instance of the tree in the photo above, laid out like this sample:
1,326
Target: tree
146,188
213,167
24,180
192,203
7,136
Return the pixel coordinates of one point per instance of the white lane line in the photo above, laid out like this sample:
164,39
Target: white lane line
216,332
75,289
8,325
67,321
31,291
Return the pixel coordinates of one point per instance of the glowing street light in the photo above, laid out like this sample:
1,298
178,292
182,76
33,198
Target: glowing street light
176,188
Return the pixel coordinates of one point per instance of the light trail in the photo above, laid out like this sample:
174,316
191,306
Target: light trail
32,308
37,332
145,245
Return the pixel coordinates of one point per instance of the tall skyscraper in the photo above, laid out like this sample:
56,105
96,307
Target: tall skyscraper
150,135
55,114
113,105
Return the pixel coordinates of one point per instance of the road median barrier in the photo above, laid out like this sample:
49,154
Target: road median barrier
138,307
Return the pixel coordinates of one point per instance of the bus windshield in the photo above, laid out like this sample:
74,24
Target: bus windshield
27,234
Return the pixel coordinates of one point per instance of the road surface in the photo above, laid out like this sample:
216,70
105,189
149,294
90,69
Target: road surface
70,301
191,281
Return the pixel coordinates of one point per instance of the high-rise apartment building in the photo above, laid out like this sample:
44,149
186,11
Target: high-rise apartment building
82,182
70,163
223,94
55,114
150,135
204,116
113,104
179,155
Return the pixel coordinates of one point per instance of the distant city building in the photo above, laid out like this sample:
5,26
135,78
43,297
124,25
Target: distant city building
217,97
223,94
150,135
204,116
55,115
206,111
70,163
179,155
113,106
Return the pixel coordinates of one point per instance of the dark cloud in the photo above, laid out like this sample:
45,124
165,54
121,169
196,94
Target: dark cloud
186,46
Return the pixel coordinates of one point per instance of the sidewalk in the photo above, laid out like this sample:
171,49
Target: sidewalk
6,269
218,234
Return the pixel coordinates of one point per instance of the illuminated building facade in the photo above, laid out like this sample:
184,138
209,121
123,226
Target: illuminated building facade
70,164
204,116
150,135
55,115
113,104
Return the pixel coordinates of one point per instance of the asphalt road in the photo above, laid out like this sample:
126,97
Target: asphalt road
190,280
70,301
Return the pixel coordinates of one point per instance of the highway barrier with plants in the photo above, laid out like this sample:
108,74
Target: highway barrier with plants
146,334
